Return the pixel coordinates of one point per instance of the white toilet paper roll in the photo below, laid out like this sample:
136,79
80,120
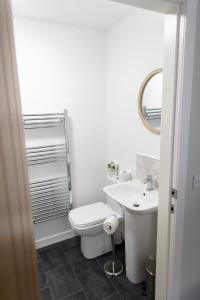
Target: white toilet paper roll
125,176
110,224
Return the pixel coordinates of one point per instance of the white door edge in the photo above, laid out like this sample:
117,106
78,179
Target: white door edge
187,30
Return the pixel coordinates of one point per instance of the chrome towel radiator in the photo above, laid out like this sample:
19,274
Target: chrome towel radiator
152,113
45,154
51,196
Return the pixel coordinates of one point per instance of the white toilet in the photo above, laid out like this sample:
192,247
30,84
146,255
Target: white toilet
87,221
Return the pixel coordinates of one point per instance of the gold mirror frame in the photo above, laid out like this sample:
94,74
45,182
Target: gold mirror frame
140,98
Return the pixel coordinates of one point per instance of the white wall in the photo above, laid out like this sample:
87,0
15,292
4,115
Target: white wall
134,47
63,67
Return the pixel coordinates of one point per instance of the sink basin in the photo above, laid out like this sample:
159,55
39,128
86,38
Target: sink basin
132,196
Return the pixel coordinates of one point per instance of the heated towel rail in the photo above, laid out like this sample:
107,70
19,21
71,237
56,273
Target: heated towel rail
152,113
46,154
50,197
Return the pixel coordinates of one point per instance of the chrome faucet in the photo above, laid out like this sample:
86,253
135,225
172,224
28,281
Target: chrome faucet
149,182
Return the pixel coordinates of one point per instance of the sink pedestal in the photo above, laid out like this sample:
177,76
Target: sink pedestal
140,242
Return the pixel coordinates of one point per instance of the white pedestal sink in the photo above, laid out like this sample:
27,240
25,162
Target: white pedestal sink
140,224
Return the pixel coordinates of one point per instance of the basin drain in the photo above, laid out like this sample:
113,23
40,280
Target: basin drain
136,204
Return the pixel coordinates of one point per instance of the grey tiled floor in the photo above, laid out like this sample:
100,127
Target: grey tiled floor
64,274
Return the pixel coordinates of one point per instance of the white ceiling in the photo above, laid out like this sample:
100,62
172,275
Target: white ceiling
98,14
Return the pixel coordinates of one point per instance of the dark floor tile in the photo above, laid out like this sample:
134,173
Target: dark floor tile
38,256
78,262
53,257
62,282
41,276
71,244
101,260
128,290
47,247
97,286
76,296
45,294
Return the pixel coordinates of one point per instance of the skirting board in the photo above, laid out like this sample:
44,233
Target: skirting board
52,239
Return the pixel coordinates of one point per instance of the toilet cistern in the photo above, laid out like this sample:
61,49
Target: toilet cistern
148,182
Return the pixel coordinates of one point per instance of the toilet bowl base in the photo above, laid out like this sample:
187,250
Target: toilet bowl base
95,245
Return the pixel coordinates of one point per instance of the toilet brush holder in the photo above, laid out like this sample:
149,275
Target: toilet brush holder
113,267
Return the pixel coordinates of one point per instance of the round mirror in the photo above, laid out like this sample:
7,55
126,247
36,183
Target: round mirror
150,101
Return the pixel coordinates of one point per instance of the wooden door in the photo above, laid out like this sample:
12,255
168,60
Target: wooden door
18,277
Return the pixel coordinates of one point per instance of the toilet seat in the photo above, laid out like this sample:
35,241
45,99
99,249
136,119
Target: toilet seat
90,215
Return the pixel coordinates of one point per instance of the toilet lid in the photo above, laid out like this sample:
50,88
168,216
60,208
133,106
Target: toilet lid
90,214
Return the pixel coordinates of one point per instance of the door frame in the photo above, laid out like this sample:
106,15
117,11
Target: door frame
169,256
18,274
185,67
